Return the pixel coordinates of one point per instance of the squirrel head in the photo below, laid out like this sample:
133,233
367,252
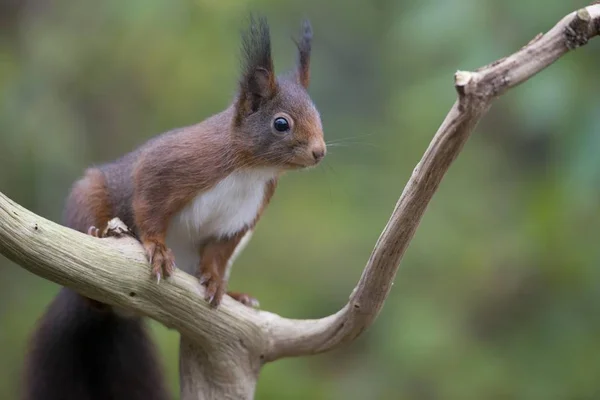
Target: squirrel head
275,120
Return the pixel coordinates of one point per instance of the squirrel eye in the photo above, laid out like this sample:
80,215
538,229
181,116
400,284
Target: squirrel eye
281,124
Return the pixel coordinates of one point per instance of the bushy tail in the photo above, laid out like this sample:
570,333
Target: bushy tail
83,352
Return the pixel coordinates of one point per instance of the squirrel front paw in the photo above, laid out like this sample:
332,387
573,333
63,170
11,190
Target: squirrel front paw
160,258
216,287
214,284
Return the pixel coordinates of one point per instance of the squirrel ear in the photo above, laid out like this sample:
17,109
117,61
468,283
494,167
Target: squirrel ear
304,46
258,76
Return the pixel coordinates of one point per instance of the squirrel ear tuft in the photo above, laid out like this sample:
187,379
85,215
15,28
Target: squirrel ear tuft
304,46
258,76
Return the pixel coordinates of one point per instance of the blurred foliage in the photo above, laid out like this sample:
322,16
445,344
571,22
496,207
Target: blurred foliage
495,297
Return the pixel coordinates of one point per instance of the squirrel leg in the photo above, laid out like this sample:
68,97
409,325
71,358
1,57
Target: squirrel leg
212,271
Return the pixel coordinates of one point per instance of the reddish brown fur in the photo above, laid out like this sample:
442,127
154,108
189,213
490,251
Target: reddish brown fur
149,186
145,189
176,168
88,203
172,169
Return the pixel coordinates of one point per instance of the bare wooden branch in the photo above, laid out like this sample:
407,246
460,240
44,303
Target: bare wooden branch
115,271
476,91
223,350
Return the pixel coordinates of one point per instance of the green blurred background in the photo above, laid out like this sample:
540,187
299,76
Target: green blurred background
497,296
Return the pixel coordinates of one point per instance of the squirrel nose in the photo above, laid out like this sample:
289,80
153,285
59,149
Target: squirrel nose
318,154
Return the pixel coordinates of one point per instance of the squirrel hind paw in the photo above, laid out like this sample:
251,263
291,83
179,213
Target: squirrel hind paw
245,299
114,228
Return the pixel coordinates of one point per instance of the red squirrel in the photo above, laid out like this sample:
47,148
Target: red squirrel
192,196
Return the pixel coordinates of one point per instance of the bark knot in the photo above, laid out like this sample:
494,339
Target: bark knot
577,32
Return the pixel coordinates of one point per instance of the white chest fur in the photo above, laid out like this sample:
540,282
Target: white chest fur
221,211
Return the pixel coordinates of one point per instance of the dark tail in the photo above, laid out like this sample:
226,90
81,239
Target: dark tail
85,351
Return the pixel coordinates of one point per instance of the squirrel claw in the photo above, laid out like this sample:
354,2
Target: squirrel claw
204,278
93,231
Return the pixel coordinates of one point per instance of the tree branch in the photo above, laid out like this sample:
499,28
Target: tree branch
476,91
222,350
116,272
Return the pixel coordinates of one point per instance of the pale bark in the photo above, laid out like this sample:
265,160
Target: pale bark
222,350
